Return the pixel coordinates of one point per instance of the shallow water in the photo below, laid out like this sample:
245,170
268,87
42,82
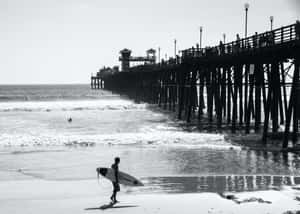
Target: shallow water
163,168
37,142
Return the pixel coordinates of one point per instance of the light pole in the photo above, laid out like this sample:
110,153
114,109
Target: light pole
175,42
224,38
246,21
200,41
159,55
271,20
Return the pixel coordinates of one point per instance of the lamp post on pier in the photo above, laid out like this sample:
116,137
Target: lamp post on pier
200,41
271,20
246,18
175,51
158,55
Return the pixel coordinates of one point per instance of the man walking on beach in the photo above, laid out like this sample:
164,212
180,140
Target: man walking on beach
116,185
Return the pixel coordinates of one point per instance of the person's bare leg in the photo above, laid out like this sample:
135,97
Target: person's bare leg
113,197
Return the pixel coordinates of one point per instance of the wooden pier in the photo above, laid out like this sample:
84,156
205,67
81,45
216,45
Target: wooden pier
250,84
96,82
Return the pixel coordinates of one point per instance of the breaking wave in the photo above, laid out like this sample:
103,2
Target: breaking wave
47,106
156,138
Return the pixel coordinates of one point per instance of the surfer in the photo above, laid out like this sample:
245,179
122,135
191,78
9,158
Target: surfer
116,185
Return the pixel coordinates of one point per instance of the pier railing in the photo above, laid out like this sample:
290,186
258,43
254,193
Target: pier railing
267,39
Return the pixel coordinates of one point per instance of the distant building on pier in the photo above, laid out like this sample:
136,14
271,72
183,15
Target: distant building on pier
126,58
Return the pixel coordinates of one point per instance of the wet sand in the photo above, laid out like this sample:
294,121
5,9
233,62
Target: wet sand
87,196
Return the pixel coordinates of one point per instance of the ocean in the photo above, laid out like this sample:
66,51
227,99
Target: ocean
37,141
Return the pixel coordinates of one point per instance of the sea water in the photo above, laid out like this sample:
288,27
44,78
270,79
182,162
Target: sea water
37,141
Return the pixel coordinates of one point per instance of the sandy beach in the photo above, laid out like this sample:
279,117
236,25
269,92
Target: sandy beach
37,196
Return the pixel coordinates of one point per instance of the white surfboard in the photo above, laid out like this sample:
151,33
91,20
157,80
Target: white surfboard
124,178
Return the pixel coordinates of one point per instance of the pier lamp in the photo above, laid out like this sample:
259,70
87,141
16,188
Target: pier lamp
271,20
246,18
175,43
158,55
200,42
224,38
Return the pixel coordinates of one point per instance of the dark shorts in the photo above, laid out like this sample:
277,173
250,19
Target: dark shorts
116,187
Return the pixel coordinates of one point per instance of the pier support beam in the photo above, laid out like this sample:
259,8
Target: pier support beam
292,107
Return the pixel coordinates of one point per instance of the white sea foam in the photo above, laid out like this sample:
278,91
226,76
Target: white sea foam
111,104
155,138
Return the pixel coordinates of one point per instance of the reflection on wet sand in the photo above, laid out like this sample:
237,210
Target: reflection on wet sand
198,162
219,183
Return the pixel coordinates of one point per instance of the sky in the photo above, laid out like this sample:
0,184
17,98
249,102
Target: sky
64,41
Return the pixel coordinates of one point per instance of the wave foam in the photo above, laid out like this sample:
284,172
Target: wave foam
166,138
48,106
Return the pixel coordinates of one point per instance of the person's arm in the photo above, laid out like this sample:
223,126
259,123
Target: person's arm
117,174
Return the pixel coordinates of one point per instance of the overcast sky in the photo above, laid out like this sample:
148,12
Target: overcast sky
64,41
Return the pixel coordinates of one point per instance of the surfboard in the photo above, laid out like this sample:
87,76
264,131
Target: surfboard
124,178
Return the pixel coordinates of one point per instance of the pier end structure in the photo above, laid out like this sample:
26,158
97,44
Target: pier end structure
97,81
